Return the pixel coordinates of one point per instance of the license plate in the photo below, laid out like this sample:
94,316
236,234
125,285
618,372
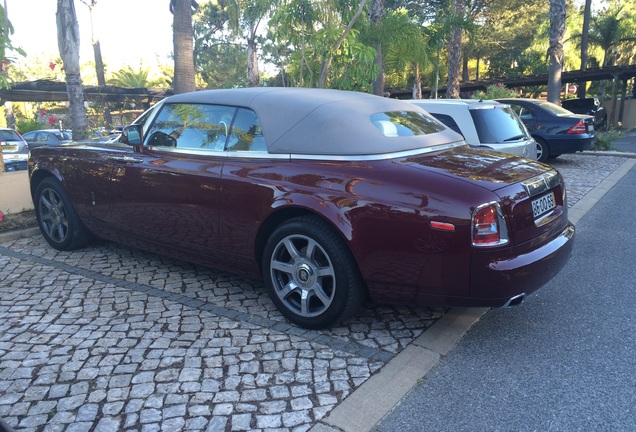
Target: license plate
9,147
543,204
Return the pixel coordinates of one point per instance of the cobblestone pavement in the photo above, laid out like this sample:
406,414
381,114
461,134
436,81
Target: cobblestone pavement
110,338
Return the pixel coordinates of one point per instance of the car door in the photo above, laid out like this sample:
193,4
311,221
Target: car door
168,191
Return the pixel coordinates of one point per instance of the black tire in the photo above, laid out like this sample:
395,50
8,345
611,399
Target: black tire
543,151
59,224
310,274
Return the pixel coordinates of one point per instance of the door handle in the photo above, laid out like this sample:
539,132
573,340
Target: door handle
126,159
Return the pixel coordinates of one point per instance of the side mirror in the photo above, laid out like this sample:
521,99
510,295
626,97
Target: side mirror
131,135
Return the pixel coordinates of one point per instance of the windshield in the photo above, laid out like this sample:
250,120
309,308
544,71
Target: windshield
498,125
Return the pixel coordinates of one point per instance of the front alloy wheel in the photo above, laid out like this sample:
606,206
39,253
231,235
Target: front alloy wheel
53,217
59,224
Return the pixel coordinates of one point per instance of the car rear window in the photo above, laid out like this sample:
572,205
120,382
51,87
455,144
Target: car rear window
497,125
405,123
9,135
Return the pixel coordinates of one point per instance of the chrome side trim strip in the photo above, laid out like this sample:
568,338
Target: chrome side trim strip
317,157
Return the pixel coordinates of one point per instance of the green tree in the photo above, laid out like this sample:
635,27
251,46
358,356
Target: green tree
69,42
406,51
613,30
246,17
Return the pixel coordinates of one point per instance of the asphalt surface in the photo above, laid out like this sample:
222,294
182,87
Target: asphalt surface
111,338
563,361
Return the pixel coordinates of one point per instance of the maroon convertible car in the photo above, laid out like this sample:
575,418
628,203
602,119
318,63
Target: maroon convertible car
329,196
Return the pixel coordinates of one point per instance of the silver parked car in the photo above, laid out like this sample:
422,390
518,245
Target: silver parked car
483,123
15,150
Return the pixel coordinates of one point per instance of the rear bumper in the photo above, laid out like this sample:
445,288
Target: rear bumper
571,144
496,279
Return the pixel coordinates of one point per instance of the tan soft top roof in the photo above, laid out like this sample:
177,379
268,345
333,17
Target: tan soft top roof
319,121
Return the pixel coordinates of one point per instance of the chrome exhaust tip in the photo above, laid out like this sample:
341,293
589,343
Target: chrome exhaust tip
514,301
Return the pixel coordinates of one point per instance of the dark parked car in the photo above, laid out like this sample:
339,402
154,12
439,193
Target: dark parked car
555,129
329,196
15,150
588,106
48,137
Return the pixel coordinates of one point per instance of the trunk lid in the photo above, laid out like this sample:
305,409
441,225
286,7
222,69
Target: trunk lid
531,194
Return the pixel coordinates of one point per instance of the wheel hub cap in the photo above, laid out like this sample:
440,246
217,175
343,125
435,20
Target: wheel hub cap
305,274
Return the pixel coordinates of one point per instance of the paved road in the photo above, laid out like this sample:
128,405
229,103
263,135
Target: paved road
111,338
564,361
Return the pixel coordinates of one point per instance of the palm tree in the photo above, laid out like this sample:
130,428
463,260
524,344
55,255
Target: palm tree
557,32
68,43
140,78
184,76
611,32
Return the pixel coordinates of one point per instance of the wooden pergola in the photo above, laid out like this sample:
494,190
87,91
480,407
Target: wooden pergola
53,91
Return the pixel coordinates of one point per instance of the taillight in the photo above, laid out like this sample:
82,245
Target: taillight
488,226
578,128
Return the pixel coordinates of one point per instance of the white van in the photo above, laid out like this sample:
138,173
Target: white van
483,123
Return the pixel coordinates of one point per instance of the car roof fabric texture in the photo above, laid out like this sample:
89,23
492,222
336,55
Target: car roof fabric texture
320,121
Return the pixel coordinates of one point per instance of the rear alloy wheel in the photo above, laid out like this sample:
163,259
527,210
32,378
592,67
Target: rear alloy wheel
59,224
543,152
310,274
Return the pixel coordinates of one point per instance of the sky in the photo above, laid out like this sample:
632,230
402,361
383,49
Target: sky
129,31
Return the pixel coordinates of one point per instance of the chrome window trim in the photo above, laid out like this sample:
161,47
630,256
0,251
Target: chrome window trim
264,155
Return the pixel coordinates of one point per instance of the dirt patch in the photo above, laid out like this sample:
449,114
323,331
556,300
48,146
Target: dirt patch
18,221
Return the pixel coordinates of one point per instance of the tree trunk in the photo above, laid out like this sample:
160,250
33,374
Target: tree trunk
99,63
101,80
183,42
68,43
557,32
417,85
584,44
376,15
465,71
253,77
455,53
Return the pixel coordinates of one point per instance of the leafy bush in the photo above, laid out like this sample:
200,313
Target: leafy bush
24,126
604,139
495,91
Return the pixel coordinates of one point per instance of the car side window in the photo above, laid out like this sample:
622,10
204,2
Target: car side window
448,121
191,126
246,134
524,113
